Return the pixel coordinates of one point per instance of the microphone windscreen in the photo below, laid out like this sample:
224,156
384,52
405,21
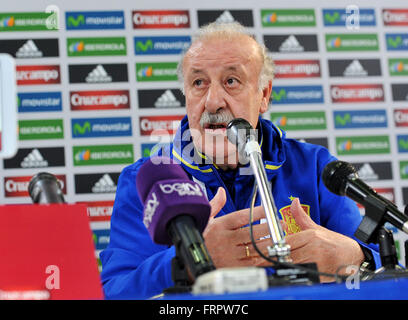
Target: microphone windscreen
238,131
156,169
335,176
167,192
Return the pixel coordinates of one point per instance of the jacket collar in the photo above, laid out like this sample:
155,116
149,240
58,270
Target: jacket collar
200,167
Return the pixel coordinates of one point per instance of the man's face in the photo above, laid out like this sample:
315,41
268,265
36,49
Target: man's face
221,83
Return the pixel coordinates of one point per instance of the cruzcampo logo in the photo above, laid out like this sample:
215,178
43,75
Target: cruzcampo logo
156,71
313,120
403,169
41,129
352,42
104,46
103,154
398,67
28,21
362,145
288,18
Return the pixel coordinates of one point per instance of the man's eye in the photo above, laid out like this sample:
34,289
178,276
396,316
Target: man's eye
232,81
198,82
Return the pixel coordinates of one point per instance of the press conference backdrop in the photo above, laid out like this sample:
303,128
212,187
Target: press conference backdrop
97,87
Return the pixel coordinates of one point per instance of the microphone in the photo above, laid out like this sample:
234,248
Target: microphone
241,133
176,211
44,188
342,179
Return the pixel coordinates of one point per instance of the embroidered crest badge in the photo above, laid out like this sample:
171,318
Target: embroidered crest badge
293,227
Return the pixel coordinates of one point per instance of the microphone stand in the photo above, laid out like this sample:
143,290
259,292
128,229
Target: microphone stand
241,133
372,230
279,250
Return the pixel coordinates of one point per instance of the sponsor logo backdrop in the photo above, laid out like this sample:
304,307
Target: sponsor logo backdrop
97,87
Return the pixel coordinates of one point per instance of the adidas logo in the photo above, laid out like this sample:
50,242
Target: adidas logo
104,185
367,173
225,17
34,160
291,44
355,69
167,100
98,75
29,50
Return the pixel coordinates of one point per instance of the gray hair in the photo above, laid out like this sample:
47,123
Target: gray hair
229,31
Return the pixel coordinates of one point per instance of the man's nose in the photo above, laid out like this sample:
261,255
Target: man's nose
215,99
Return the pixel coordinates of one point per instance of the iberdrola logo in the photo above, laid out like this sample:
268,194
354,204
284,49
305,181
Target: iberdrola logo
404,170
270,18
334,42
281,121
77,46
7,22
397,67
346,145
83,155
146,71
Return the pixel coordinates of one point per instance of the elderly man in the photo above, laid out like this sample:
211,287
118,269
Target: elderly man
226,74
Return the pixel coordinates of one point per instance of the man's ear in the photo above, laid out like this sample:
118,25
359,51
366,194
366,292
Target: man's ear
266,95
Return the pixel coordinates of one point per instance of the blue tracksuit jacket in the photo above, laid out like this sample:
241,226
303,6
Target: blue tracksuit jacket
135,267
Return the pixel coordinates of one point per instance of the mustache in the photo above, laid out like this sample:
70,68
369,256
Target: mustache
223,116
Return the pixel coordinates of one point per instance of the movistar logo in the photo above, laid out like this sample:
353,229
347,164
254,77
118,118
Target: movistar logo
394,42
81,130
75,22
332,18
403,144
342,121
144,46
280,95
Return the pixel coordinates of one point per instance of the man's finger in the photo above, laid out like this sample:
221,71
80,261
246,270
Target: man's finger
301,217
218,202
239,219
258,230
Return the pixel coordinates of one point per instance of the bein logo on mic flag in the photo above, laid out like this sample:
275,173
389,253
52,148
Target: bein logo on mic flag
150,209
182,188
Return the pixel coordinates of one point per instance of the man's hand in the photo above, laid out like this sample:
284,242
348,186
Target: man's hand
314,243
228,241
